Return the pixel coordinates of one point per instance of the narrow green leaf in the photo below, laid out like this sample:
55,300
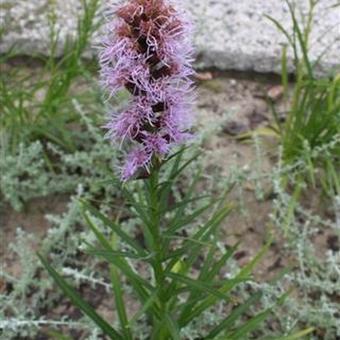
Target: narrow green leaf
202,235
114,253
197,284
302,41
176,225
58,336
177,155
80,303
250,326
234,316
205,232
217,266
100,237
142,212
286,34
297,335
181,209
172,327
209,301
284,71
183,203
114,227
210,226
123,265
185,165
208,272
146,306
190,242
248,268
280,28
118,293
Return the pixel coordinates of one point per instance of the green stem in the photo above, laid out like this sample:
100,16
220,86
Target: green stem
160,332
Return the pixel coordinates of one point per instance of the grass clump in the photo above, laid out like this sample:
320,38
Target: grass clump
39,106
313,118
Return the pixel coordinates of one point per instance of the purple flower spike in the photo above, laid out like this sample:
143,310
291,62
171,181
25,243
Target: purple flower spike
148,52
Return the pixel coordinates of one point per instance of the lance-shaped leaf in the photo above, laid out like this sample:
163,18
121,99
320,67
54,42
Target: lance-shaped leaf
72,294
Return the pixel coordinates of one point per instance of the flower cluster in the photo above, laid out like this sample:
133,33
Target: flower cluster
148,51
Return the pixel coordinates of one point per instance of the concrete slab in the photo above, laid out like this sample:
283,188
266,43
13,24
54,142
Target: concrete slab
229,34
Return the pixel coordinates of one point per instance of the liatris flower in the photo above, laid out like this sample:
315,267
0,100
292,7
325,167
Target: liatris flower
148,51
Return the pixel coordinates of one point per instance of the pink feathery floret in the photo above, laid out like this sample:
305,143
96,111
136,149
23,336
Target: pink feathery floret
136,159
155,143
148,52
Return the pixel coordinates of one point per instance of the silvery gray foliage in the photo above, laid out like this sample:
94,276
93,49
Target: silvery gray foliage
323,273
30,173
20,309
317,278
25,175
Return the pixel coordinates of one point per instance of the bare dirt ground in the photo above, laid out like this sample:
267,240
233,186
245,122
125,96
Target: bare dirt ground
218,95
237,103
33,220
246,97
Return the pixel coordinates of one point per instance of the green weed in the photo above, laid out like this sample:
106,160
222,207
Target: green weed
313,119
38,106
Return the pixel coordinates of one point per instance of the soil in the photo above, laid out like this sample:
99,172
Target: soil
246,96
31,219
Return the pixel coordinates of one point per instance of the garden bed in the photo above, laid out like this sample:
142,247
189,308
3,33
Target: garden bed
233,120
